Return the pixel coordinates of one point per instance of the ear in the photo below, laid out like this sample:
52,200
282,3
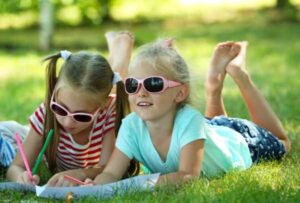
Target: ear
182,93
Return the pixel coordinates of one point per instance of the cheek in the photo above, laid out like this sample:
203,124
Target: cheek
131,99
60,119
131,102
82,126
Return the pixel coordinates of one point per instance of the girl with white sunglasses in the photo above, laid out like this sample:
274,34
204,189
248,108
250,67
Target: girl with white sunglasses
81,109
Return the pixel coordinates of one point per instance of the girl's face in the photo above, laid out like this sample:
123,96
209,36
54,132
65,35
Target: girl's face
75,101
153,107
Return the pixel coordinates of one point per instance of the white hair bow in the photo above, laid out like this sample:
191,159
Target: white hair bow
65,54
117,78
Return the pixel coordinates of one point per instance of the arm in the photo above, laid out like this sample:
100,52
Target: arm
32,146
190,164
58,179
115,169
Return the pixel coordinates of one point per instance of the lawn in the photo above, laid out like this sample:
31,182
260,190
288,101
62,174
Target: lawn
273,61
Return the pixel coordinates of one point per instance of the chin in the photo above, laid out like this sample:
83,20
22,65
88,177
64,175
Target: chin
72,131
146,117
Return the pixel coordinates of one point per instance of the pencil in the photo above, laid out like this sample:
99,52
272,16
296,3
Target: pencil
74,180
38,160
23,156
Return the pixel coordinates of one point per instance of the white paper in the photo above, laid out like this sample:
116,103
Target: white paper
16,186
137,183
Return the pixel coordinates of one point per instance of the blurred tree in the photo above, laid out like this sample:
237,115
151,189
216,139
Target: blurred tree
286,11
95,12
281,4
15,6
46,24
105,10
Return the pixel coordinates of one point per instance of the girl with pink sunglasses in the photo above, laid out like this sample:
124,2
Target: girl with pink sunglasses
81,109
172,138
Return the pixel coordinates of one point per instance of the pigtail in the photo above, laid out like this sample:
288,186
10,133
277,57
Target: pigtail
122,105
50,121
123,109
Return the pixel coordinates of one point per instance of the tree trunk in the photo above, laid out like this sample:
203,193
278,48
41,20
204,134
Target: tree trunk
46,24
105,6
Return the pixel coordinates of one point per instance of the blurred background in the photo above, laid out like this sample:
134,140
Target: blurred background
76,24
32,29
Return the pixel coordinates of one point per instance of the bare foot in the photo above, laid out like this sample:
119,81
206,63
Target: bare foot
237,67
223,54
120,45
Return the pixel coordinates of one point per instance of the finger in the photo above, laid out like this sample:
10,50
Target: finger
35,179
60,182
88,182
21,179
26,178
68,183
52,181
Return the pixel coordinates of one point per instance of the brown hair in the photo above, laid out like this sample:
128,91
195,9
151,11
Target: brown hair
88,72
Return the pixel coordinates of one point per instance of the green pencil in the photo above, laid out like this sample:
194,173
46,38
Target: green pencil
38,161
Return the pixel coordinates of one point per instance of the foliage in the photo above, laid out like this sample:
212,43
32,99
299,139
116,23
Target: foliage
272,61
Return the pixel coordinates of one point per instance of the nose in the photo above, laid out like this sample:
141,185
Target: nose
142,92
68,122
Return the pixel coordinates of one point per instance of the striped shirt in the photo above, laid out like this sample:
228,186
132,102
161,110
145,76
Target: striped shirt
71,155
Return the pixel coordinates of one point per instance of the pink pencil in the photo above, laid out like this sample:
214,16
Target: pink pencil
23,156
74,180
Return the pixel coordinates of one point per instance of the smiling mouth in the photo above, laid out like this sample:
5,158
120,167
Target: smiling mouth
144,104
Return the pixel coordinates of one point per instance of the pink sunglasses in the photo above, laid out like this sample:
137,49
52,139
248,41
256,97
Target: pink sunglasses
153,84
62,111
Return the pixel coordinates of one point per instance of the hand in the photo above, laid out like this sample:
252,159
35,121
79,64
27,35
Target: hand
23,178
58,180
89,182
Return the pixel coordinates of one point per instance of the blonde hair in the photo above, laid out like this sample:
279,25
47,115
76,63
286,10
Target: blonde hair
163,58
85,71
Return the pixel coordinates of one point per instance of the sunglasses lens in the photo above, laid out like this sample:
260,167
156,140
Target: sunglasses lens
58,110
82,118
154,84
131,85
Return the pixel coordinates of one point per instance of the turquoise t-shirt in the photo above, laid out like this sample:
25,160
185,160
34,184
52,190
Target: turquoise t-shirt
224,148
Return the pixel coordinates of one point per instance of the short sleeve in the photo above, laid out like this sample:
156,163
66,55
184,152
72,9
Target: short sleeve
36,119
190,126
126,140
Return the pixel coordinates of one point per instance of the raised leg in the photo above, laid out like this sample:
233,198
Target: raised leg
120,45
223,54
259,109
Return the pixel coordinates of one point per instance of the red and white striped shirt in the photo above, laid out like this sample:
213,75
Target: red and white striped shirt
71,155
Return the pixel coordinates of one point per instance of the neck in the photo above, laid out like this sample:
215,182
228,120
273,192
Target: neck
83,136
162,127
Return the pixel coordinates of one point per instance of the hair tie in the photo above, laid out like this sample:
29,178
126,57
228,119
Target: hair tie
65,54
117,78
168,43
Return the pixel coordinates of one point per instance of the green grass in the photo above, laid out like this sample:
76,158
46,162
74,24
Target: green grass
273,61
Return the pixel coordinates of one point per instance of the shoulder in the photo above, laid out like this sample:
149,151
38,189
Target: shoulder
188,119
132,119
187,113
39,112
37,118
